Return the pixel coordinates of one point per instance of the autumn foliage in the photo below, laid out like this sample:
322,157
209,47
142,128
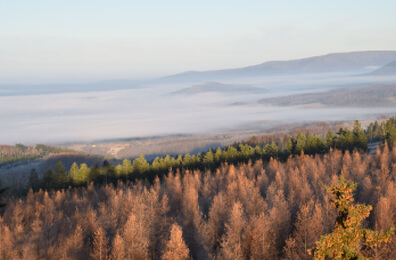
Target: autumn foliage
260,210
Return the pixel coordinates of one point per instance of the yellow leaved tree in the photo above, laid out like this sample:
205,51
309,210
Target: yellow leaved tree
348,237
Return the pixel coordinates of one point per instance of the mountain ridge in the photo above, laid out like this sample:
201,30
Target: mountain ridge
376,95
211,86
333,62
387,70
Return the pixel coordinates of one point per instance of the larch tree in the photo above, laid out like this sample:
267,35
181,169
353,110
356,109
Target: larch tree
7,242
100,247
231,245
261,234
384,220
192,220
75,243
280,221
308,229
118,248
176,248
136,237
214,227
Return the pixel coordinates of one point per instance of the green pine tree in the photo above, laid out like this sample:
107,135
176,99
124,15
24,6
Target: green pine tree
290,146
271,150
257,152
301,142
348,237
94,173
390,131
61,177
2,190
186,160
34,182
140,165
49,180
370,132
73,172
359,138
218,156
208,159
329,140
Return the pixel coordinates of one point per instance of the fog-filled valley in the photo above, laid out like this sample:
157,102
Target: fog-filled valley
199,103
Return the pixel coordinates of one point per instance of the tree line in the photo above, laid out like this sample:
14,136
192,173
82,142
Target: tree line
386,131
344,140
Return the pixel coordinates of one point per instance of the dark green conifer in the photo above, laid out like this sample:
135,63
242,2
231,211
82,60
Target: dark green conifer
34,182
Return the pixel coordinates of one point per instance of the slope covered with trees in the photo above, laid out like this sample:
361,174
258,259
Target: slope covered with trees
20,152
278,147
243,202
268,210
368,96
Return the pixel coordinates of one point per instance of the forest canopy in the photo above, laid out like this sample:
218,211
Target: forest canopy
260,210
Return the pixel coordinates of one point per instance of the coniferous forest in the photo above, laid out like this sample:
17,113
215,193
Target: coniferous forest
278,147
248,209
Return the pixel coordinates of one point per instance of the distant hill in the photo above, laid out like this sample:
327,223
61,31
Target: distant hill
16,174
41,89
387,70
356,62
371,96
217,87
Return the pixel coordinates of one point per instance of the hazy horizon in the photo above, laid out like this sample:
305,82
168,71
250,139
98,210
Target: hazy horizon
61,42
157,110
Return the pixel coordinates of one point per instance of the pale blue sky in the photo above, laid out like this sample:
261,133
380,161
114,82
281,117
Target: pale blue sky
73,41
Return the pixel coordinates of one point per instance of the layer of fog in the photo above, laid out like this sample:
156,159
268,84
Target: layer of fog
150,111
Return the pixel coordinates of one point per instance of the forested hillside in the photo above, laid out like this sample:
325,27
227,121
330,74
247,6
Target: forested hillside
251,211
368,96
256,148
20,152
267,201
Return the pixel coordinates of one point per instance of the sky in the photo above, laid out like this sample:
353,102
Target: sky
46,41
